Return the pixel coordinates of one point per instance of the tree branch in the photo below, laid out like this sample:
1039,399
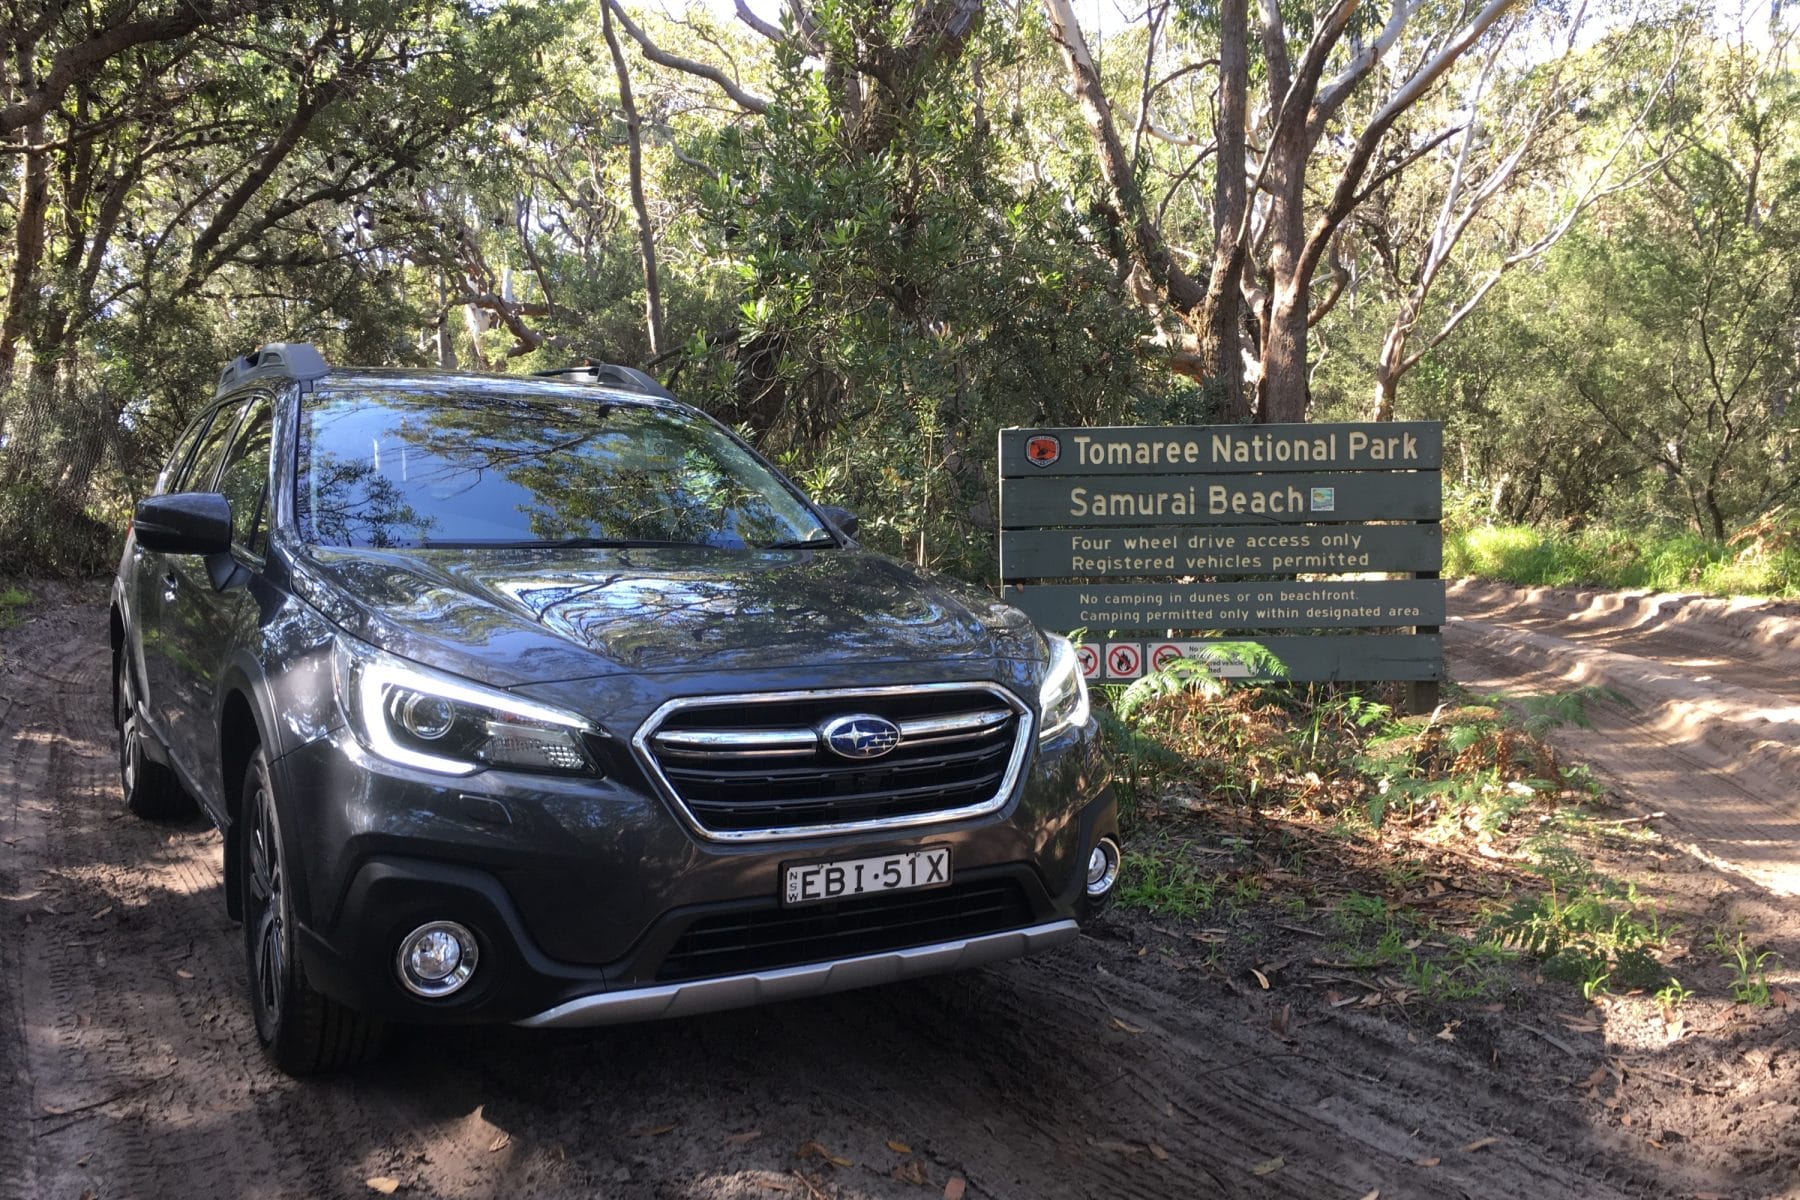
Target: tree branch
656,54
768,30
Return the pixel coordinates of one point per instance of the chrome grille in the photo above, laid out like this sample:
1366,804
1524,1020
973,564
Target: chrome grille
755,768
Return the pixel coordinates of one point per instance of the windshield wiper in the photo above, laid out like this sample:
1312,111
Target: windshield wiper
570,543
816,542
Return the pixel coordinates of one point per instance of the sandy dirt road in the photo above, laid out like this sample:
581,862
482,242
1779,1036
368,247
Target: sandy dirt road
1707,728
1119,1068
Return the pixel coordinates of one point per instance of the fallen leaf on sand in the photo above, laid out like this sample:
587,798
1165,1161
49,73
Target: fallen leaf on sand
955,1188
387,1185
899,1147
912,1171
815,1150
1116,1147
1373,1194
101,913
655,1130
1158,1153
183,973
1448,1032
1426,1162
1480,1144
744,1138
1268,1166
500,1142
1126,1026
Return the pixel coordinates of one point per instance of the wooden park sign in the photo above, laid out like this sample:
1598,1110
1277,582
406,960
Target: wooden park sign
1146,536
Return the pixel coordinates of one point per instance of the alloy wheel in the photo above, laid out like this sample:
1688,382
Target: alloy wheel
268,908
130,736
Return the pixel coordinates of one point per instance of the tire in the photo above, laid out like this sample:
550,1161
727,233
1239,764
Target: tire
150,788
303,1031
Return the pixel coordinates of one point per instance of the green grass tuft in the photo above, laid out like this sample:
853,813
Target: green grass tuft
12,604
1663,561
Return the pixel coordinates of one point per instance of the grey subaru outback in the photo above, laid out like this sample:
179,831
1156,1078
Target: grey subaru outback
548,700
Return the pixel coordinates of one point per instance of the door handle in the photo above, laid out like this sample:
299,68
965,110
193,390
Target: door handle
171,585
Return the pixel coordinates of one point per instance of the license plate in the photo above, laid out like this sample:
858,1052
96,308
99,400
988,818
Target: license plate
813,883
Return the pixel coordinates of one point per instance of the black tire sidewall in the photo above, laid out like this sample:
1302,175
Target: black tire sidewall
271,1029
122,716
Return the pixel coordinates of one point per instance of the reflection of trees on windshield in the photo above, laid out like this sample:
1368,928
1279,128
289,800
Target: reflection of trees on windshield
478,468
348,503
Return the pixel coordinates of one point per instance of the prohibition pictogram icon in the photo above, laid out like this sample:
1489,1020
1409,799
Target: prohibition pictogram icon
1165,654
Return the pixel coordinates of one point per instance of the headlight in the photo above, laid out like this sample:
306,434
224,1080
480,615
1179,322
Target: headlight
420,718
1063,698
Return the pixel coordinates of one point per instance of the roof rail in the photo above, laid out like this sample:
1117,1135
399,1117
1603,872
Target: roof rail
286,360
612,375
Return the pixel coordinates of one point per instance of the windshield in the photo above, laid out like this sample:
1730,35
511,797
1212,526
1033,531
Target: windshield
411,469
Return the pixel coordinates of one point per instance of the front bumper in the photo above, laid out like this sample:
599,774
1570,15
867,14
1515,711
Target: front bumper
794,983
588,898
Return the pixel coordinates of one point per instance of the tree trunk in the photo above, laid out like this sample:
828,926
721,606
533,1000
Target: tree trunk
1220,341
28,252
446,343
1143,242
1284,333
653,315
1390,364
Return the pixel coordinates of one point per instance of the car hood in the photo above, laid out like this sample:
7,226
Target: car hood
516,617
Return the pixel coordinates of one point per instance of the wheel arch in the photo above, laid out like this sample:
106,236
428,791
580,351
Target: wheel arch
245,723
240,733
115,635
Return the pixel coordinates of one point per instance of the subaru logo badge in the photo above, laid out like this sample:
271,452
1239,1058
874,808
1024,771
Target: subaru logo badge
861,735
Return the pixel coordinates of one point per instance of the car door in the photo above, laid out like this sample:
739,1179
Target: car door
175,585
208,621
160,579
141,591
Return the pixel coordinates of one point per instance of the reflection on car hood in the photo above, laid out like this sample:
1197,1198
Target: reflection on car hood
523,616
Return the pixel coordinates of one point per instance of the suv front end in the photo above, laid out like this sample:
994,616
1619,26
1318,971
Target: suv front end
628,889
555,704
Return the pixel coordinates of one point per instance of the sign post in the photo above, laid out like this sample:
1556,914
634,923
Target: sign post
1144,536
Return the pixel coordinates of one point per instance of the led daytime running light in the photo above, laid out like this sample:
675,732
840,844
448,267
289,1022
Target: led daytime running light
368,679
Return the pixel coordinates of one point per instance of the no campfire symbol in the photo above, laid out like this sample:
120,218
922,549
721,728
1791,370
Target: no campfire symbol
1043,449
1124,660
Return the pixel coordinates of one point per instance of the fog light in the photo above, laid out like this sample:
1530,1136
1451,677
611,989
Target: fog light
1103,867
437,959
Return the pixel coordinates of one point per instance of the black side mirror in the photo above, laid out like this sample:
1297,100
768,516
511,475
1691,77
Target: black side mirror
846,521
184,523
